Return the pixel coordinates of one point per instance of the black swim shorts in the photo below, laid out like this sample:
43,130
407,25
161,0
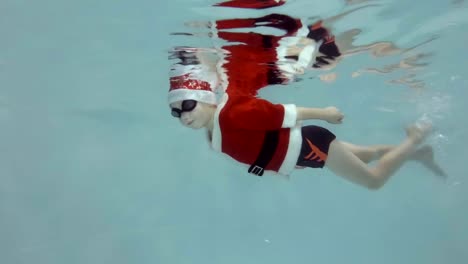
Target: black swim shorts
315,144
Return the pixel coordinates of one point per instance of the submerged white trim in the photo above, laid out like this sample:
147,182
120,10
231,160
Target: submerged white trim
294,148
216,137
189,94
290,115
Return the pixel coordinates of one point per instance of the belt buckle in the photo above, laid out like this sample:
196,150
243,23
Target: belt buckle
256,170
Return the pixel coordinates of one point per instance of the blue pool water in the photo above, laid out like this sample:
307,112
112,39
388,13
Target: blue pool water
94,170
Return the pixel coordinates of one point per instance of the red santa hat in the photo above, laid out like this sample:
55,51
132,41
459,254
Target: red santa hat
187,84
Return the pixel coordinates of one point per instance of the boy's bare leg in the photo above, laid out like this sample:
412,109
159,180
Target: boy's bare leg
424,155
343,162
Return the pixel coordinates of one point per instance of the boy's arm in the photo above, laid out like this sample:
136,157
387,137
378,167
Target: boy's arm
330,114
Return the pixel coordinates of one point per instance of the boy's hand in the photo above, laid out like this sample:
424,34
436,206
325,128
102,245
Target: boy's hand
333,115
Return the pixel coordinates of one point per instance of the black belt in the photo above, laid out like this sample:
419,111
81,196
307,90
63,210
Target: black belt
270,142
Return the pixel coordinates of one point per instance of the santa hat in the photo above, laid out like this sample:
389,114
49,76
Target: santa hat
190,82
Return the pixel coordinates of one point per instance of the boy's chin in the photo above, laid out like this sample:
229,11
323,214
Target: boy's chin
195,126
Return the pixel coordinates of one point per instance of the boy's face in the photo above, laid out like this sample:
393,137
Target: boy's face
197,118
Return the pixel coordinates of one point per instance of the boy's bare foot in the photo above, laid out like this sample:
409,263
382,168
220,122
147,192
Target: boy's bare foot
425,155
417,132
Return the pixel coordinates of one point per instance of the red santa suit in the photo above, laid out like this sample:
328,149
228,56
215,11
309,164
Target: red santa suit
261,59
254,4
240,126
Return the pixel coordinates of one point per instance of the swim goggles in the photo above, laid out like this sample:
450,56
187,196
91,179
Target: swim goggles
187,106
